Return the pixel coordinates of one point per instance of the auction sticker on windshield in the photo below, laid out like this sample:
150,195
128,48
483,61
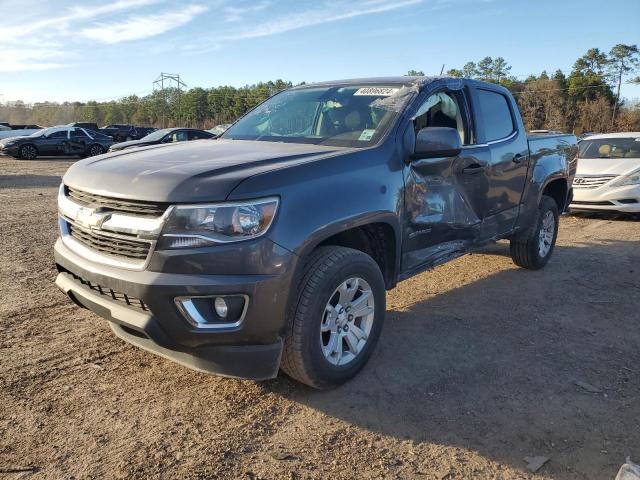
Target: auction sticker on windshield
376,91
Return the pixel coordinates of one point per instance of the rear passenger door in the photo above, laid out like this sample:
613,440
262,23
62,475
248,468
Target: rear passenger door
500,128
78,142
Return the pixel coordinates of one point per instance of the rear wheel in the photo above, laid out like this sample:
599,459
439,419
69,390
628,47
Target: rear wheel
337,320
533,249
28,152
95,150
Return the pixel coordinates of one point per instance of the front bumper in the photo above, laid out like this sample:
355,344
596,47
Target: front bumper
12,150
615,199
140,307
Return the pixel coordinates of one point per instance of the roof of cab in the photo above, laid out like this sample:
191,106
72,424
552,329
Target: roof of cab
398,80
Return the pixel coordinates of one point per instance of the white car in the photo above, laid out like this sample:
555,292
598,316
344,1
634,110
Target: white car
608,175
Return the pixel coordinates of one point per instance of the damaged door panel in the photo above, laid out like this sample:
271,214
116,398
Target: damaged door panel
445,197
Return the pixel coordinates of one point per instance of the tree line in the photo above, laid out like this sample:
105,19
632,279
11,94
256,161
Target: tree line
585,99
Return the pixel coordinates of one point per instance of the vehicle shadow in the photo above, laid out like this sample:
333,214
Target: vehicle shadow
494,366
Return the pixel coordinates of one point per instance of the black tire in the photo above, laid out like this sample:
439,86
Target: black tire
525,249
28,152
94,150
326,269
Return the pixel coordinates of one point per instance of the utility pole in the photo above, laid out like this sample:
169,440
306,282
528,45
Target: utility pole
172,81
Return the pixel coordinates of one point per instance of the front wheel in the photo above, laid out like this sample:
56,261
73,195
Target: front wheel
28,152
337,320
534,248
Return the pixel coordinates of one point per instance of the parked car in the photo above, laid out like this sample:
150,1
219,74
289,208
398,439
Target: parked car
144,131
124,133
219,129
55,141
608,176
273,246
166,135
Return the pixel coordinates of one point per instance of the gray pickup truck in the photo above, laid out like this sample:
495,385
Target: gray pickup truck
272,247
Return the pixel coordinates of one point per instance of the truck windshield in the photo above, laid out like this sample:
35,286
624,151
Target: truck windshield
610,148
348,116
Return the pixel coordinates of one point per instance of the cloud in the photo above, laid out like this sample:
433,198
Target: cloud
330,13
39,43
61,24
24,59
142,26
236,14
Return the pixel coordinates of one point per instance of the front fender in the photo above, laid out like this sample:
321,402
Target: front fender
324,197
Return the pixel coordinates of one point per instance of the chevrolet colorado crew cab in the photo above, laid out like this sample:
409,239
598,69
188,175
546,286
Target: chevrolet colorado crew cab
272,247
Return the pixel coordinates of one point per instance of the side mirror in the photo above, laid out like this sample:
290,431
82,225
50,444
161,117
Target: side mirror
434,142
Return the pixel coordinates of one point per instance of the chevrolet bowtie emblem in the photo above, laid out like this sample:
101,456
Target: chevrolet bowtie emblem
89,218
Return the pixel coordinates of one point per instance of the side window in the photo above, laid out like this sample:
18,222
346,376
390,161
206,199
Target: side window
177,136
59,134
495,115
77,133
198,135
442,110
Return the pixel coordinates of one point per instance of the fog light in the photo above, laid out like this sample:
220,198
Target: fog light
221,307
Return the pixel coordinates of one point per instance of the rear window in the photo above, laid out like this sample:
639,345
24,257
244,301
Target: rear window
495,115
610,148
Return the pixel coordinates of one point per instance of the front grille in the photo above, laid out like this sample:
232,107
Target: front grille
591,181
135,207
111,244
108,292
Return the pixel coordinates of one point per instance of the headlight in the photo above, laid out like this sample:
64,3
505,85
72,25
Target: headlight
204,225
632,179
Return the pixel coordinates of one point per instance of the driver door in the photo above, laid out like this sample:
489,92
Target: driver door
54,144
446,197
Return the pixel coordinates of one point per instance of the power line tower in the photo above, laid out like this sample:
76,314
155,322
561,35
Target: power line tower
170,81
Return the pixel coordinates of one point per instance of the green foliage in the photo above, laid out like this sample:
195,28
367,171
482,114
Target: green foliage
414,73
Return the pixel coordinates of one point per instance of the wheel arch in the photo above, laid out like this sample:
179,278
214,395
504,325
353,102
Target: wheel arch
376,235
558,189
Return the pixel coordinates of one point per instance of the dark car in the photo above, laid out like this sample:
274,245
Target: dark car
124,133
272,247
57,141
166,135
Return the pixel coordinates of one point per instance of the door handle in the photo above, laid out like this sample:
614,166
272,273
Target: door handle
473,169
517,158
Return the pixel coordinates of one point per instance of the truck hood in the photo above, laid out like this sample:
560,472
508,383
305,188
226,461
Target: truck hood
185,172
607,166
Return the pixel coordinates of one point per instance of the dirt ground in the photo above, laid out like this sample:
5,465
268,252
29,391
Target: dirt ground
480,364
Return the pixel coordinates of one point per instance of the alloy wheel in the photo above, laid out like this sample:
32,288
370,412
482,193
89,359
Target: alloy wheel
547,231
347,321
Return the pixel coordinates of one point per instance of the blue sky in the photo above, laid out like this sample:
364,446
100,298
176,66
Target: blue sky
106,49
